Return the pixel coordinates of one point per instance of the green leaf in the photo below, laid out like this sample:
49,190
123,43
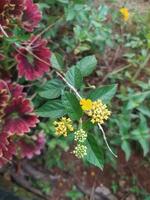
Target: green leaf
57,61
63,1
52,89
72,106
104,93
141,134
52,109
144,110
43,6
95,154
74,77
126,148
103,11
136,99
82,48
87,65
124,131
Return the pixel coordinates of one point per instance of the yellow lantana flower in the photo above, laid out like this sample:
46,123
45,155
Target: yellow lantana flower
125,13
63,126
86,104
96,110
99,112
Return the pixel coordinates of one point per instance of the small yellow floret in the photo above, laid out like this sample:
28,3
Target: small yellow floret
86,104
63,126
125,13
99,112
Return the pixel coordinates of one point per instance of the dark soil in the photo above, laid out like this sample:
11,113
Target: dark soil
127,176
129,179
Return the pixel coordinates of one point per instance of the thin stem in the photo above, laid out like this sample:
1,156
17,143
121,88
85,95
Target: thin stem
42,32
115,72
141,67
3,31
69,85
105,139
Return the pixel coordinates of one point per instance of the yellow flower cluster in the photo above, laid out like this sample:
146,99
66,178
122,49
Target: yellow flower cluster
125,13
98,111
63,126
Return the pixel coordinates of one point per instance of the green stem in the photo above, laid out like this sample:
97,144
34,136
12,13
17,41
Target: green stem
141,67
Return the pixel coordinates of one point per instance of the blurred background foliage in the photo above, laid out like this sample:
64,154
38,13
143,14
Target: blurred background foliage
80,29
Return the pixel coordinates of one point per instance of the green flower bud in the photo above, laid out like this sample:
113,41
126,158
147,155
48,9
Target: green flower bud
80,151
80,136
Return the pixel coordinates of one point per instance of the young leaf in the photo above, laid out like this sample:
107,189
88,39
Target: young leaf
94,153
87,65
52,109
52,89
74,77
104,93
72,106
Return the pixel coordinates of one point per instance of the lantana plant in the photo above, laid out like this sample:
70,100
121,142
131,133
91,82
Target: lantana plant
44,91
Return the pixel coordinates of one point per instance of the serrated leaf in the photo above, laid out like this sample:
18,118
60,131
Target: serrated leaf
74,77
52,89
105,93
72,106
52,109
87,65
95,154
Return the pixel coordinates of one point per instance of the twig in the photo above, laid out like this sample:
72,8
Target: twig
3,31
69,85
115,56
42,32
141,67
25,184
115,72
92,195
105,139
36,174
